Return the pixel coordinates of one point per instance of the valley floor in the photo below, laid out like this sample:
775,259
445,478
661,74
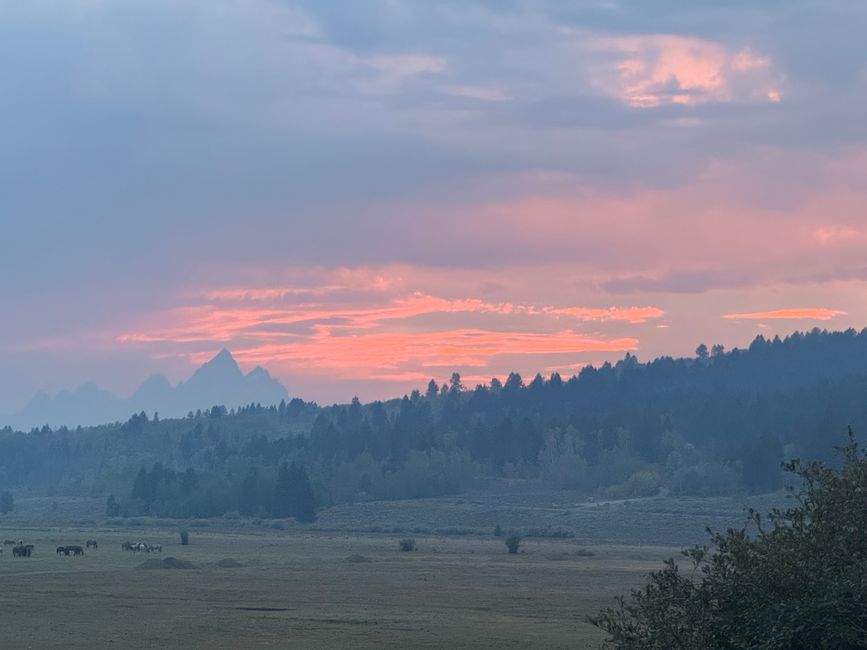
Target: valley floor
344,583
311,590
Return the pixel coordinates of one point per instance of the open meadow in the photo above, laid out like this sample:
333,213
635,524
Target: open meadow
344,582
310,590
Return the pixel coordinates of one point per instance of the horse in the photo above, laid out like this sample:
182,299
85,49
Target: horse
157,548
75,550
22,551
8,542
63,549
91,543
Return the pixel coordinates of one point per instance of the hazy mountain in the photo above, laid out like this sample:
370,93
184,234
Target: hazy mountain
219,381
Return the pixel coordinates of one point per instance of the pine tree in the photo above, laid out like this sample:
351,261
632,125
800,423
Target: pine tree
303,503
282,503
248,500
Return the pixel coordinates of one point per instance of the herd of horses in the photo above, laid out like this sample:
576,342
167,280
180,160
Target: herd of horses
137,547
20,549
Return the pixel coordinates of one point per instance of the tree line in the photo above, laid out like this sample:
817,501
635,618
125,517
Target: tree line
164,492
719,422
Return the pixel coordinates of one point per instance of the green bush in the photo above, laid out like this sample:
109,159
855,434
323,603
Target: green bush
797,582
513,542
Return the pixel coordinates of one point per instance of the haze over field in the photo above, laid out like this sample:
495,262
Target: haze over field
433,323
362,196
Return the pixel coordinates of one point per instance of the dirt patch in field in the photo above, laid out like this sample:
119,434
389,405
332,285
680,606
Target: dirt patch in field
166,563
229,563
355,558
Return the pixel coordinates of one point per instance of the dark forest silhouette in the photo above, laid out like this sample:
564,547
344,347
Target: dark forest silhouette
718,423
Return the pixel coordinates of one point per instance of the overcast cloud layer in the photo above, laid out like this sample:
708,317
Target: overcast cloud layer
363,195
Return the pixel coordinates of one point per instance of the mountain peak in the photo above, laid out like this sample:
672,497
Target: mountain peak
222,368
258,372
223,356
219,381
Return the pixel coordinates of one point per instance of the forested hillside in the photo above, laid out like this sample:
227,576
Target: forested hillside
718,423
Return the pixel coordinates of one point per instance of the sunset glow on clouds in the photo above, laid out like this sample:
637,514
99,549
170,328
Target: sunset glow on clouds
357,333
362,196
656,70
789,314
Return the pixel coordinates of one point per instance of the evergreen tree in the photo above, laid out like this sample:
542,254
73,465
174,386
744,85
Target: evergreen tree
248,500
112,507
302,502
281,506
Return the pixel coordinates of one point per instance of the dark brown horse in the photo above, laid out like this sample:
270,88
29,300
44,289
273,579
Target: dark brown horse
91,543
75,550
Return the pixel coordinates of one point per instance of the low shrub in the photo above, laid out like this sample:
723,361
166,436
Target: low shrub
407,544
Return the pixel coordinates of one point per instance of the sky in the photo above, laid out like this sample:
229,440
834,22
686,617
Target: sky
364,195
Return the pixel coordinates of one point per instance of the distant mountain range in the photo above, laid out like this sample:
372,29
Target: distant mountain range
219,381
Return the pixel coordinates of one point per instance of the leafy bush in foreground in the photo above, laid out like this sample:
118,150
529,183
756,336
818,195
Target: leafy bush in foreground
799,582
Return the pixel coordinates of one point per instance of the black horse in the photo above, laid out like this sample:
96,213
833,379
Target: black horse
91,543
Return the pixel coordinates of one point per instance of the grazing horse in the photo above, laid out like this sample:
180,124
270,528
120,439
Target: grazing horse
75,550
63,549
91,543
22,551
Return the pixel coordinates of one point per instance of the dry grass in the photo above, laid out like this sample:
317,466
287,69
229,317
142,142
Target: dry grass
298,589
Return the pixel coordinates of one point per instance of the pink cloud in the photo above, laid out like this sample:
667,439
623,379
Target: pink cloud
375,333
629,314
655,70
788,314
402,355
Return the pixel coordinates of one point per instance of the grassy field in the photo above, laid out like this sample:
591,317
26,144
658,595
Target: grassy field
297,587
310,590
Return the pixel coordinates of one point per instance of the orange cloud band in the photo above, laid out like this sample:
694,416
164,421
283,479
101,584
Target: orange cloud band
791,314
